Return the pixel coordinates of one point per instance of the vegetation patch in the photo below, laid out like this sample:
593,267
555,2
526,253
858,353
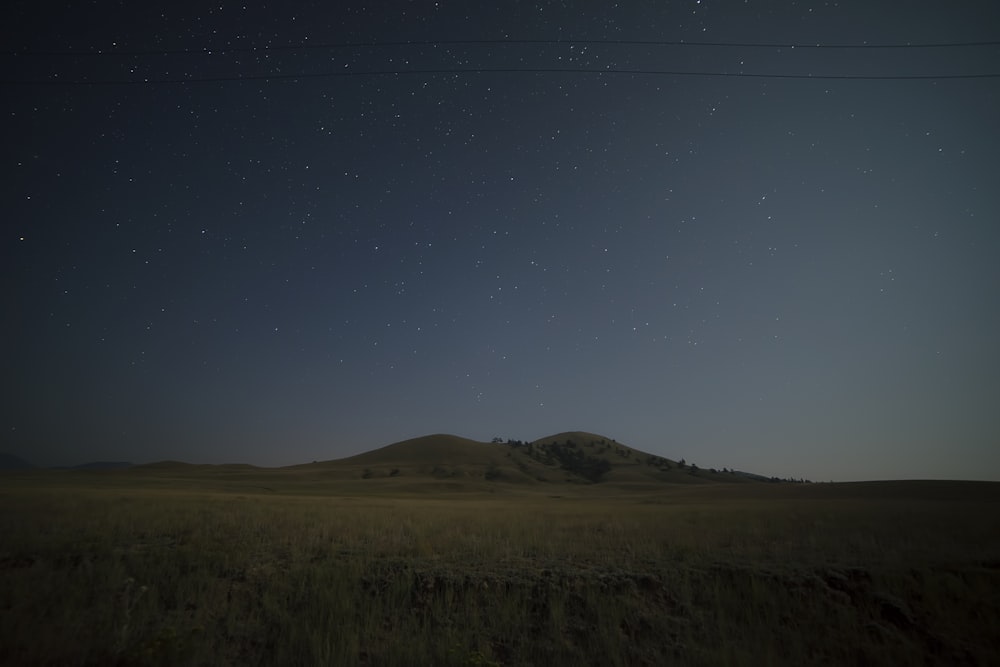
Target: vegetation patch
94,573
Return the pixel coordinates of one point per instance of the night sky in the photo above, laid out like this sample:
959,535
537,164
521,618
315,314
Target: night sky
790,276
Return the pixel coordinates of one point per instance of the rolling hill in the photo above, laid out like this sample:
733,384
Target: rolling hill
440,456
557,463
573,457
599,459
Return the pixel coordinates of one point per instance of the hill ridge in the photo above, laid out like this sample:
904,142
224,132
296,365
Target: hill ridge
579,457
447,460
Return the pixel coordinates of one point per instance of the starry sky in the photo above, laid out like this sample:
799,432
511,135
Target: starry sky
276,234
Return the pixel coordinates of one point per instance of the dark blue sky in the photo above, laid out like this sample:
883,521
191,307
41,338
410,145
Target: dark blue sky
796,277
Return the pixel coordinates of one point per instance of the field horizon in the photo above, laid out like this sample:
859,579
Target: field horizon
574,456
570,549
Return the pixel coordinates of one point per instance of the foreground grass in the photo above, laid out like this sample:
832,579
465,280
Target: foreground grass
827,574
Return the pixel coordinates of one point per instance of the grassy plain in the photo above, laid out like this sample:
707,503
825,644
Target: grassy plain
241,566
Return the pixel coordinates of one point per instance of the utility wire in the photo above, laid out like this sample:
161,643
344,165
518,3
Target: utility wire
492,42
487,70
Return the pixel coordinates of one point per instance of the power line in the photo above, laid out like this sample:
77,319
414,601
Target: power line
487,70
493,42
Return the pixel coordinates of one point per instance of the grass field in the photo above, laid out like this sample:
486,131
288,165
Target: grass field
196,566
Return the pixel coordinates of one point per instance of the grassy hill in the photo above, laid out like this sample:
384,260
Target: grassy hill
598,459
572,457
434,457
571,462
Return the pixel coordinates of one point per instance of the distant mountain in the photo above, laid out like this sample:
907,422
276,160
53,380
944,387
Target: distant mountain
97,465
103,465
11,462
181,467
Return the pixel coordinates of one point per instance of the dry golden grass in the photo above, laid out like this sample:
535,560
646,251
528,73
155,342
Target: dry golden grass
194,568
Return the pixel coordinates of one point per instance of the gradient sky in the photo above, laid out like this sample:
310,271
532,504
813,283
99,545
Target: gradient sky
789,276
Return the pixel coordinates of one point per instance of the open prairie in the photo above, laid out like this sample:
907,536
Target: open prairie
175,564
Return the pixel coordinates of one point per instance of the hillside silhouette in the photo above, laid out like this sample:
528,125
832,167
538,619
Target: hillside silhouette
443,462
572,457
